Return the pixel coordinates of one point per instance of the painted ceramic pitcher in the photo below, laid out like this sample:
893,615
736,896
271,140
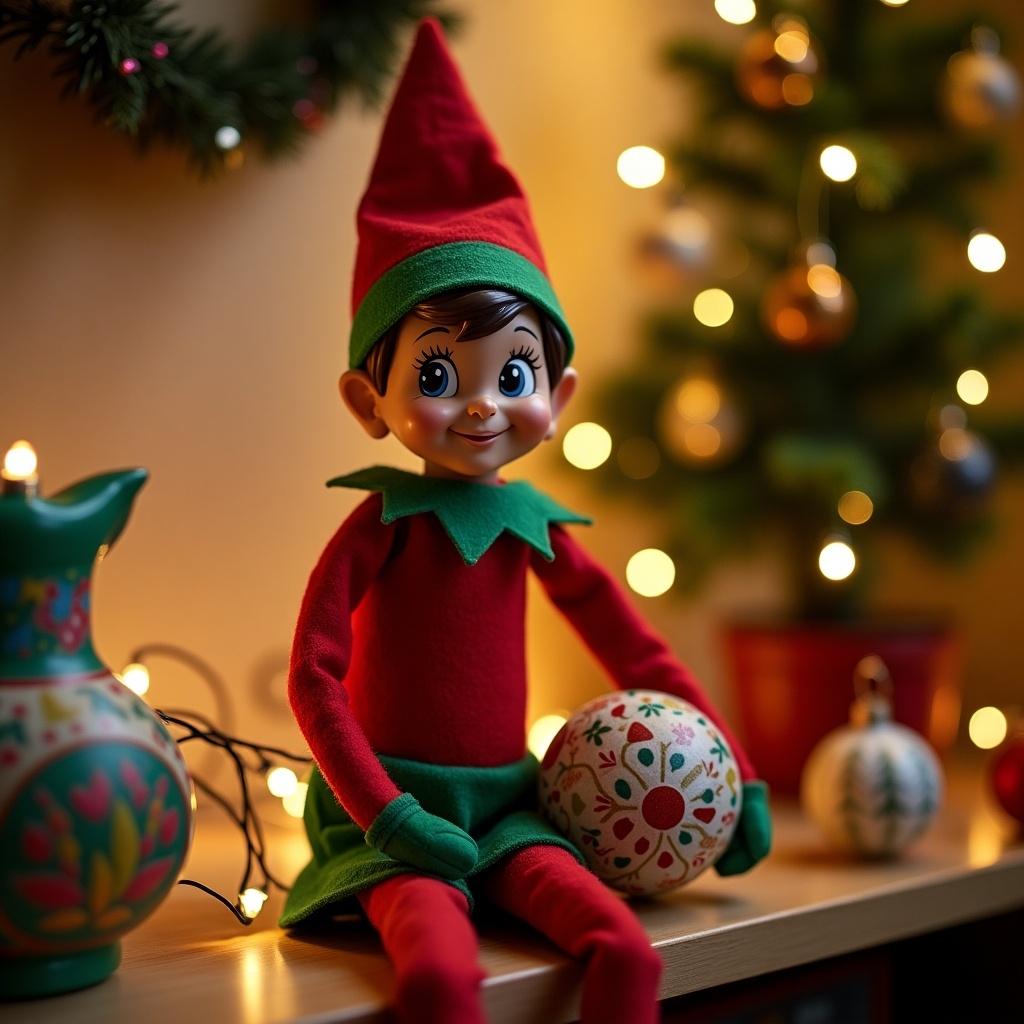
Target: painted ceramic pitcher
95,801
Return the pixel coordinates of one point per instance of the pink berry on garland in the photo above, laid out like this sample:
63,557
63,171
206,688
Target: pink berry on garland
160,50
129,66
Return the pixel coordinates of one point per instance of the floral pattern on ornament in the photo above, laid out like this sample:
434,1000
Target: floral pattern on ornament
45,614
93,840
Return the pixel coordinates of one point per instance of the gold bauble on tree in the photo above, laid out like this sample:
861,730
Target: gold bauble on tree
810,305
779,66
981,88
698,423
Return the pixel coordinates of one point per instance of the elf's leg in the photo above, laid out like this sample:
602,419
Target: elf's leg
547,887
430,941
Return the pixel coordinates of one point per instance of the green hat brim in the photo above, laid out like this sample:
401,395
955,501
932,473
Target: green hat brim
442,269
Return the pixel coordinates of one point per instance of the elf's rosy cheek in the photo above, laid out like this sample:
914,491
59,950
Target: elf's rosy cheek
428,417
531,416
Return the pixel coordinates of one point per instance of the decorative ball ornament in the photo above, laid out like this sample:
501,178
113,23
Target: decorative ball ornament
646,788
981,88
1006,772
957,472
779,67
698,424
873,786
809,306
678,244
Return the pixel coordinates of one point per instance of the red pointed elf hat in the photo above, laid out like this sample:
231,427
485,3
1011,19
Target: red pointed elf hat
441,210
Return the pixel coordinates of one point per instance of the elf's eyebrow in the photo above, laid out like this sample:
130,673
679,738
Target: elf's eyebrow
528,331
432,330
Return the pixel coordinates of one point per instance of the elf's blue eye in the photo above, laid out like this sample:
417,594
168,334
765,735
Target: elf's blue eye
517,379
438,379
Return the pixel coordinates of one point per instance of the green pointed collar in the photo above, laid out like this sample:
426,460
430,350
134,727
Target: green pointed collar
473,515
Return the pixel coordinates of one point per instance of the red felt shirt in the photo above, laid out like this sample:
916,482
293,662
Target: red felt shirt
403,649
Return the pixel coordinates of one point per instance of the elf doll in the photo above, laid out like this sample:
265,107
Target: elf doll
408,670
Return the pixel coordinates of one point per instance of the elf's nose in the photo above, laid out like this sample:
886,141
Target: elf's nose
482,406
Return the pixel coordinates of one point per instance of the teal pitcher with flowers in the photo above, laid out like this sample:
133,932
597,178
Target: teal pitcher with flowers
95,800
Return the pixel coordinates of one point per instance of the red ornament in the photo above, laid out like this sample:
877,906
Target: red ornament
1007,775
129,66
160,50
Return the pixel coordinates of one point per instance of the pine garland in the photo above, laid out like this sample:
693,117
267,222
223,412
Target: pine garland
156,80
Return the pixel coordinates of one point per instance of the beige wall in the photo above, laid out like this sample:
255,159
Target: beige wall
198,329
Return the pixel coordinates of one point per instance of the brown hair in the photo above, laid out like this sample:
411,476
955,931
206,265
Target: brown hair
476,312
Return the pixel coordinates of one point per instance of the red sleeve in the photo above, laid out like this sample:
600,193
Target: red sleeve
320,658
632,653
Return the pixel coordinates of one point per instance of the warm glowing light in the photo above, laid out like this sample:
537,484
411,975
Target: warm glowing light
955,444
855,508
295,802
640,166
797,89
985,252
987,728
638,457
542,732
985,840
227,137
702,440
713,307
837,560
650,572
838,163
791,324
824,281
698,400
587,445
136,677
193,801
792,45
20,462
251,902
972,387
282,781
895,3
736,12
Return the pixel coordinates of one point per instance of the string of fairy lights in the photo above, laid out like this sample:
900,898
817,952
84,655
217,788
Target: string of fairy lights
247,758
698,424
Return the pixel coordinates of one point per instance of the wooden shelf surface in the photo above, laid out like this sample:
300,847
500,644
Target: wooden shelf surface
802,904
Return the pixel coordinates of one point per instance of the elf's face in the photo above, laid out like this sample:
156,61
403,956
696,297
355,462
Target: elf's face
466,408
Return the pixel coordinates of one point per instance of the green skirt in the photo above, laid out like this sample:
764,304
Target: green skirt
494,805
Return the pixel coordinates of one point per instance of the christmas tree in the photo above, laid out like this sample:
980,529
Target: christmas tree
813,382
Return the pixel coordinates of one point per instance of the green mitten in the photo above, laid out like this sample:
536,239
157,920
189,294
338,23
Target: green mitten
753,836
406,832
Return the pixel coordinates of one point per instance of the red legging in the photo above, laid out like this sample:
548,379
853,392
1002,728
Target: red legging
427,934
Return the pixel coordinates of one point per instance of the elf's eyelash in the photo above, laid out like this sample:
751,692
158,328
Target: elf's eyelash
527,353
432,353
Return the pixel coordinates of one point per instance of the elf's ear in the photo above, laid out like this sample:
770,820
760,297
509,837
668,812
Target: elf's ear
560,395
359,394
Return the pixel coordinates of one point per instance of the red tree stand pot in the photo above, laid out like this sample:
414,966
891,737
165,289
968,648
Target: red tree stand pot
791,685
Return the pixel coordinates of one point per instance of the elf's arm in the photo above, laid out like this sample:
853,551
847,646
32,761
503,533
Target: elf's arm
394,821
636,657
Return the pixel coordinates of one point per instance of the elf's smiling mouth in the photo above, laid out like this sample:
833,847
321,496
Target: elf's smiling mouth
480,440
